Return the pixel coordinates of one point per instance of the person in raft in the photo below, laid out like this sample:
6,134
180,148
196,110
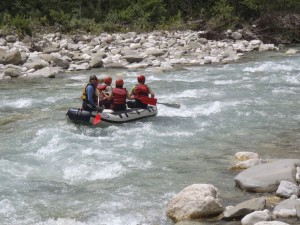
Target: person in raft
118,96
140,90
105,90
89,95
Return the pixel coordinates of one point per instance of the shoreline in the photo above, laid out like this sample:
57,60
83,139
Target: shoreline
50,54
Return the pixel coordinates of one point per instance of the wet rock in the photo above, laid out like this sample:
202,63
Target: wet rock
267,177
244,208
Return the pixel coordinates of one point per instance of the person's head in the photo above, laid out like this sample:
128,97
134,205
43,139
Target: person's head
94,80
119,83
107,80
141,79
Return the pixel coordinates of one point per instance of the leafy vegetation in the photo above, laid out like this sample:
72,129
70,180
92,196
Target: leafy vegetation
28,17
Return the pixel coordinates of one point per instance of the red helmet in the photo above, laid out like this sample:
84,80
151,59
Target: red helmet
107,80
119,82
101,87
141,78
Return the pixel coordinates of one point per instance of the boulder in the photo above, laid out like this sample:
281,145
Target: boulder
35,63
11,38
236,35
244,208
133,58
96,62
45,72
266,177
155,52
12,71
3,42
195,202
271,223
256,216
286,189
13,57
60,62
291,204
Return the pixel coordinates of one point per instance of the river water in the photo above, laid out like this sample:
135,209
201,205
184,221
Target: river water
53,172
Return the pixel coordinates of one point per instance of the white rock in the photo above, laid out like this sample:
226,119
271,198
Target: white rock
271,223
284,213
286,189
243,156
248,163
255,217
195,201
291,51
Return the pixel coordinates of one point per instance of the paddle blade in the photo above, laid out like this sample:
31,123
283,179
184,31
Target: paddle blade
97,119
150,101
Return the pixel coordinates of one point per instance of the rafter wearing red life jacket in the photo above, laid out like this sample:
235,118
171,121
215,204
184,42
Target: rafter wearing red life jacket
119,100
141,90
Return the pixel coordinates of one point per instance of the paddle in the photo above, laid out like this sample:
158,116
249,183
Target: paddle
97,117
153,101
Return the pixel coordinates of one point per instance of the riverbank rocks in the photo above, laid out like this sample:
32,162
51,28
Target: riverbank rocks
195,202
267,177
160,50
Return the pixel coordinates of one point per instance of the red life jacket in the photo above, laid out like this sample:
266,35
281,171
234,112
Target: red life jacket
120,95
141,90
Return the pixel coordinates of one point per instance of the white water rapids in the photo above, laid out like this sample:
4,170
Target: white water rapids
53,172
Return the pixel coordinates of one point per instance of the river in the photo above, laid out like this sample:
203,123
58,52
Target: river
53,172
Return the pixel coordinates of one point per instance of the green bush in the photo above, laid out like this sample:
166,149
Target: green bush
174,23
22,25
224,16
60,17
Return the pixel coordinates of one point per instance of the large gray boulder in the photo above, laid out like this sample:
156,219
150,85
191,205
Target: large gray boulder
195,202
267,177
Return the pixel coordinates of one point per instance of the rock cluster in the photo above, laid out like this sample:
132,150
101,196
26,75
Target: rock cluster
202,202
48,54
